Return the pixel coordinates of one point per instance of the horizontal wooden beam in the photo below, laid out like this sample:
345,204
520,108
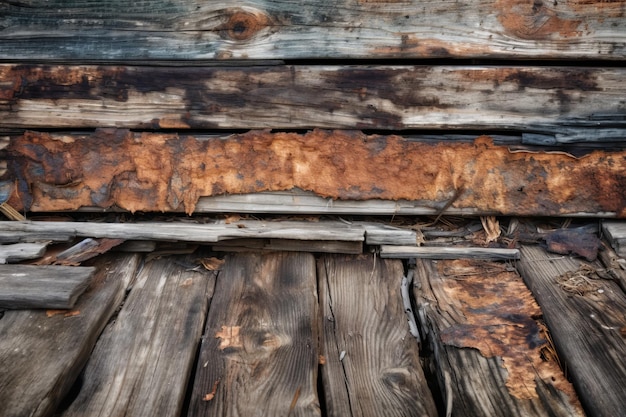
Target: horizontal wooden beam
168,172
561,104
433,252
279,29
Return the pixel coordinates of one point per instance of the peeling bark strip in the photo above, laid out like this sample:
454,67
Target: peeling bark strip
279,29
167,172
556,100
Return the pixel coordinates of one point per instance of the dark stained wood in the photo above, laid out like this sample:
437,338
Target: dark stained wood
41,356
371,361
168,172
478,318
24,286
585,103
287,29
588,330
142,362
21,251
259,354
293,245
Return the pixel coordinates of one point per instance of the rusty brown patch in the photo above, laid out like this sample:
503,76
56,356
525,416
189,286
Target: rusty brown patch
601,8
537,19
243,24
167,172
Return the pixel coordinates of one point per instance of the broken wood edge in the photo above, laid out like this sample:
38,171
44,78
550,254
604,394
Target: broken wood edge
428,252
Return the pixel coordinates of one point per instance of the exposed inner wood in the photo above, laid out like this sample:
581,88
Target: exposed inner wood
168,172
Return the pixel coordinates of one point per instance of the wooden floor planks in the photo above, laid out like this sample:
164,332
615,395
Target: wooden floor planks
372,365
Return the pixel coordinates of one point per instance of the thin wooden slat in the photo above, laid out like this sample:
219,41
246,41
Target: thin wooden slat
167,172
41,356
25,286
432,252
289,245
21,251
371,361
142,362
478,318
34,237
588,330
279,29
537,99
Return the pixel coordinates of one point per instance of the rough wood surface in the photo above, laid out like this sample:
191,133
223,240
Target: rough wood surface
615,231
431,252
287,29
21,251
142,362
371,361
558,100
25,286
588,330
41,356
167,172
259,354
238,245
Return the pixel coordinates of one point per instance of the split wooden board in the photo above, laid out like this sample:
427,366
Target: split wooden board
42,353
259,354
448,252
371,361
587,328
21,251
142,362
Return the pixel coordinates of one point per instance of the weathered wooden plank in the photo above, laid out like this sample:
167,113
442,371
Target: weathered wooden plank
281,29
25,286
587,329
41,356
382,234
554,100
437,252
142,362
21,251
34,237
372,365
615,232
167,172
479,319
289,245
259,355
612,264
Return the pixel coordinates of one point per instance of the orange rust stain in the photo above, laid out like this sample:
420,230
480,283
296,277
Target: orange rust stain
601,8
537,19
167,172
243,24
410,45
499,313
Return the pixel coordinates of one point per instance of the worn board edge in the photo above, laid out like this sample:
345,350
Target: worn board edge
431,252
21,251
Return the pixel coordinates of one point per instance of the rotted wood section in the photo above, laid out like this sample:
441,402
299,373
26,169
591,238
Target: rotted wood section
168,172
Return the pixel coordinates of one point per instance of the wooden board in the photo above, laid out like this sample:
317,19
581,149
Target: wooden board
277,29
167,172
561,101
21,251
387,251
371,361
259,354
615,232
292,245
41,356
588,330
479,320
142,362
24,286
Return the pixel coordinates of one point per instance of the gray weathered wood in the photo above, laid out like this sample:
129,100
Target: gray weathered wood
615,232
587,330
21,251
535,99
287,29
142,362
611,262
34,237
289,245
371,361
25,286
382,234
41,357
259,355
432,252
478,318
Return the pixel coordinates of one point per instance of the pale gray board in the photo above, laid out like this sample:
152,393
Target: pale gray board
429,252
21,251
615,231
29,286
37,236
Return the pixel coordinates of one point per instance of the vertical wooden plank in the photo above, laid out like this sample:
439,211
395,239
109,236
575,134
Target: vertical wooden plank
41,356
372,365
259,355
587,328
479,320
142,362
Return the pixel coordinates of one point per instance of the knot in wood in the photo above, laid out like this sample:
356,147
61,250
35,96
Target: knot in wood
244,24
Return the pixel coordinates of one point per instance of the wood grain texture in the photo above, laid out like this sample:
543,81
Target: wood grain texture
568,102
168,172
388,251
142,362
259,354
21,251
478,318
615,232
587,330
288,29
371,361
25,286
292,245
41,356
